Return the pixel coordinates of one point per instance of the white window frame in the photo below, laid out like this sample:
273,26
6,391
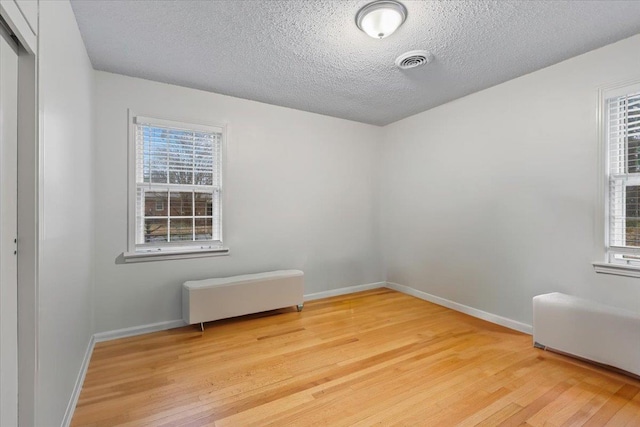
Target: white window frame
179,250
612,263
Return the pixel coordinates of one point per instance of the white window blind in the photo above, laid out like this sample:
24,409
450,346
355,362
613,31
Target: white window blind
178,178
623,142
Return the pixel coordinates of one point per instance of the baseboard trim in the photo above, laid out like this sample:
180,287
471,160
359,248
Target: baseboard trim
138,330
77,388
170,324
344,291
489,317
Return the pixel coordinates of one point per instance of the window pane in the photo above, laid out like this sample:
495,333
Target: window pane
181,203
633,154
155,153
629,126
216,213
155,203
159,176
139,215
203,160
632,211
203,204
155,230
202,178
617,212
181,158
203,229
181,229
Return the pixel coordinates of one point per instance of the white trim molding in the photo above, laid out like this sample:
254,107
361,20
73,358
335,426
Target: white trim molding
141,252
610,248
108,336
77,388
344,291
138,330
616,269
489,317
150,255
18,23
178,323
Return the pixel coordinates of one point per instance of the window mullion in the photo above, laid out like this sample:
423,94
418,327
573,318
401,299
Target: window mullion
193,215
193,159
169,216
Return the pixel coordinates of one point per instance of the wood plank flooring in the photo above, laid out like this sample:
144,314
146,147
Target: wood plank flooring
373,358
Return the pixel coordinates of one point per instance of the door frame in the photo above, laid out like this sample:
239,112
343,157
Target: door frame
9,230
29,175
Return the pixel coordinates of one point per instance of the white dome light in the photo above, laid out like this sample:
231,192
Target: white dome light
381,18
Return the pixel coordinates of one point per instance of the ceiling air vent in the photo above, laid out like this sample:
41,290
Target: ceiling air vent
414,58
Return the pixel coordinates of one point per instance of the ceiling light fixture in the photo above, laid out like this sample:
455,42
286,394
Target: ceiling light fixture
381,18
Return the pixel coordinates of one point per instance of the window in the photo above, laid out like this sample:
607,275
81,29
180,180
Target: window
176,200
622,134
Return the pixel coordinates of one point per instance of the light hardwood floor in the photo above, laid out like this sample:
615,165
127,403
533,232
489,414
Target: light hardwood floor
373,358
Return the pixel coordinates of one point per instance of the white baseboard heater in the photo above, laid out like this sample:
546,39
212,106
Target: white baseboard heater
214,299
590,330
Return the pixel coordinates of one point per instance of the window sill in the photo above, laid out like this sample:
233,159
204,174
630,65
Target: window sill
186,253
617,269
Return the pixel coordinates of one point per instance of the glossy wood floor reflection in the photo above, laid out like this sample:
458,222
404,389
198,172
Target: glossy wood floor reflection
372,358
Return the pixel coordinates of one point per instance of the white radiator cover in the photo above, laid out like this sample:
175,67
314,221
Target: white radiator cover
220,298
587,329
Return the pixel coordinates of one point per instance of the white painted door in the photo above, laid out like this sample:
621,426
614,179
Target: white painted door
8,230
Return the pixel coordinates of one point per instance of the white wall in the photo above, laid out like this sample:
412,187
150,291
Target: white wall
66,225
493,198
301,193
487,201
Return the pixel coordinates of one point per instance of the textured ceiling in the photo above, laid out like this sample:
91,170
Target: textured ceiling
309,54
